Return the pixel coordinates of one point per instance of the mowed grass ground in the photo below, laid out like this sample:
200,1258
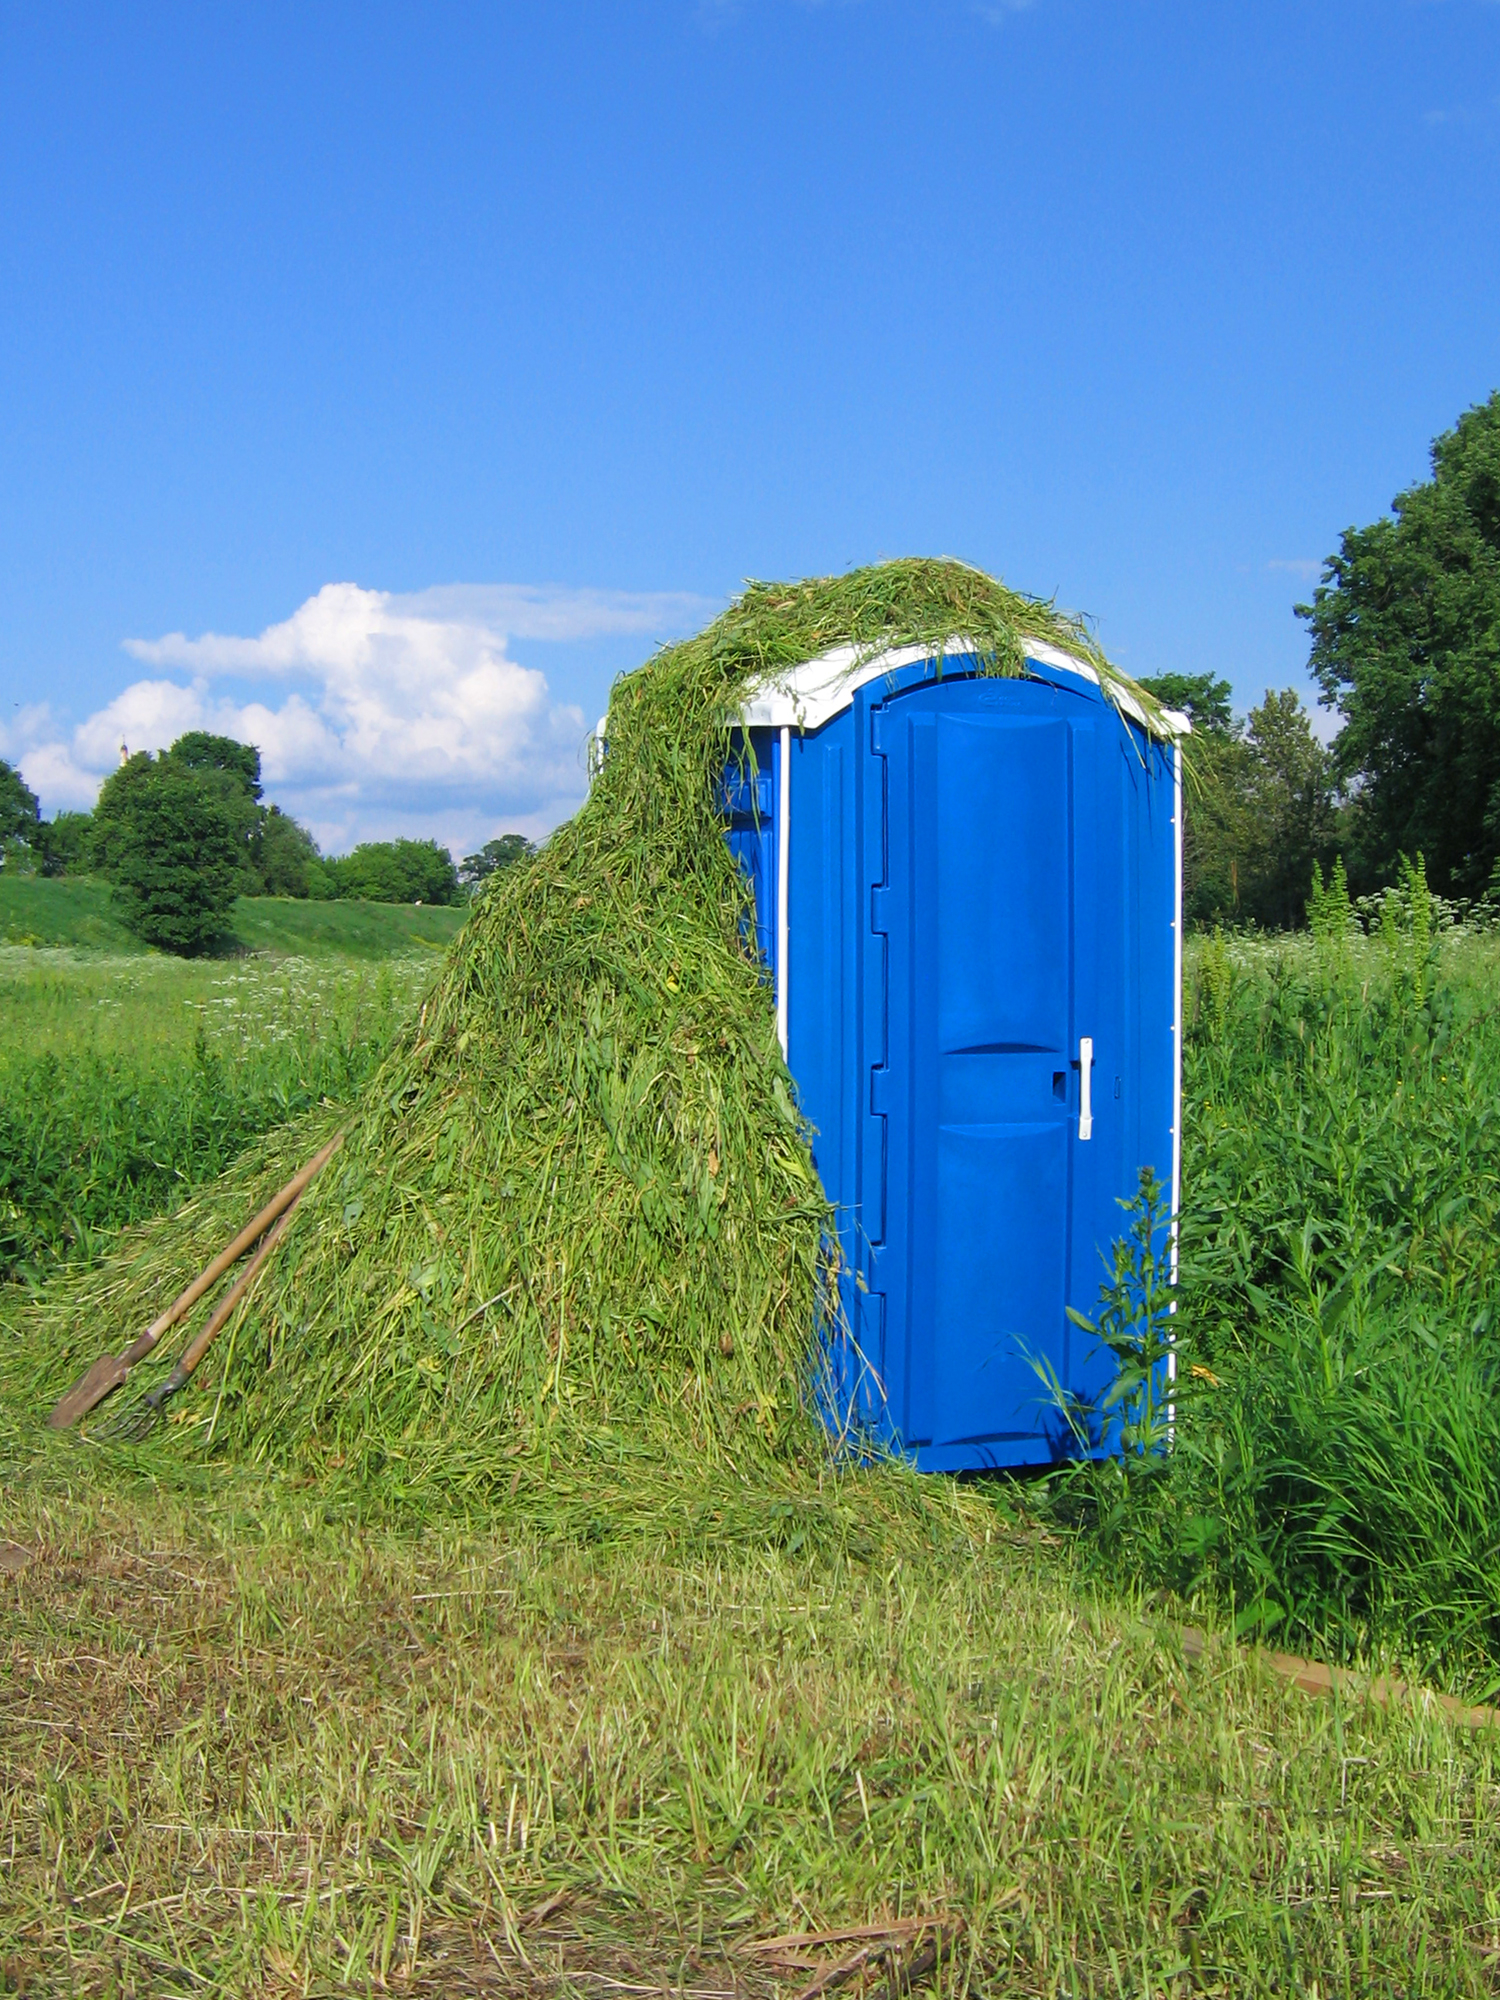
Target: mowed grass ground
259,1736
253,1745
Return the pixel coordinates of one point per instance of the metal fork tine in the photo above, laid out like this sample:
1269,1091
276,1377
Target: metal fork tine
136,1421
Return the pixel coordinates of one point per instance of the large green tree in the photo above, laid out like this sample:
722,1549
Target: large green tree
170,836
19,811
1406,643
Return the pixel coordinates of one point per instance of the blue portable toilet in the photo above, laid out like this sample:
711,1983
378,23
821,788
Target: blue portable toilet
968,892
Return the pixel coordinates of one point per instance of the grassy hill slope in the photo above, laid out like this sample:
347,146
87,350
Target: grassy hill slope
77,911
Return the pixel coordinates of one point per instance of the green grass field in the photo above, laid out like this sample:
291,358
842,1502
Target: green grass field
35,911
126,1075
268,1730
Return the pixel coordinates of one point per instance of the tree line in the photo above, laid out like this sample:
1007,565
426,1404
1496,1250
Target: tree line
182,834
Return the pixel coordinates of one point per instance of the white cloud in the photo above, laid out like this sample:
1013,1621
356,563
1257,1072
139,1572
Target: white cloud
24,727
27,740
1304,566
350,629
407,713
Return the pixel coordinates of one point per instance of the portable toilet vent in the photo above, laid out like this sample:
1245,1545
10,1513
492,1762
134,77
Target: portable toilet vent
968,892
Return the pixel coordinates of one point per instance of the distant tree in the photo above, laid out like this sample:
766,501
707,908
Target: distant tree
1405,632
493,859
1258,805
19,812
1203,698
395,871
286,858
66,842
1288,811
170,838
1215,830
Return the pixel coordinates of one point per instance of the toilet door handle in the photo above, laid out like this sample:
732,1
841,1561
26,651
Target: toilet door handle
1086,1087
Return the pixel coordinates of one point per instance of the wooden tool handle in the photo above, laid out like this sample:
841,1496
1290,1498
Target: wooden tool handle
278,1205
199,1346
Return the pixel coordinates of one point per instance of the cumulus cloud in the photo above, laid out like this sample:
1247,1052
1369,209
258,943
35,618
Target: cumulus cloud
26,740
384,713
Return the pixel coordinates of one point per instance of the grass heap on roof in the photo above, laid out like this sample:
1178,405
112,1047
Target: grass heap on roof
576,1220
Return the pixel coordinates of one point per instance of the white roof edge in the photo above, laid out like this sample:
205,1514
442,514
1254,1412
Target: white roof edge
807,696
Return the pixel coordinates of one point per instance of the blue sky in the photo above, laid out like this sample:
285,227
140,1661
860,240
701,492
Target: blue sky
462,352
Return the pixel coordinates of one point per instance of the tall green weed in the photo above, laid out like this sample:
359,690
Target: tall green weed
1334,1471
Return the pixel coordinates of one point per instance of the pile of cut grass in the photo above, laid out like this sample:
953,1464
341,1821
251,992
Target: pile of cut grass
577,1219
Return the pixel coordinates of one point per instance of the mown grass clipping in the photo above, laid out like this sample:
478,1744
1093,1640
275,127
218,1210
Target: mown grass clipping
577,1218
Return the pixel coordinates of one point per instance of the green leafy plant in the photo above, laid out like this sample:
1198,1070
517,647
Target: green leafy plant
1121,1435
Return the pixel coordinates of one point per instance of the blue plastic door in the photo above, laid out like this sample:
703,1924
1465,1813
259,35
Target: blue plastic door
996,1021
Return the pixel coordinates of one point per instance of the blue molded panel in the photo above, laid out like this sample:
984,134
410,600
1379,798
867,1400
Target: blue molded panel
981,872
998,1254
991,820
